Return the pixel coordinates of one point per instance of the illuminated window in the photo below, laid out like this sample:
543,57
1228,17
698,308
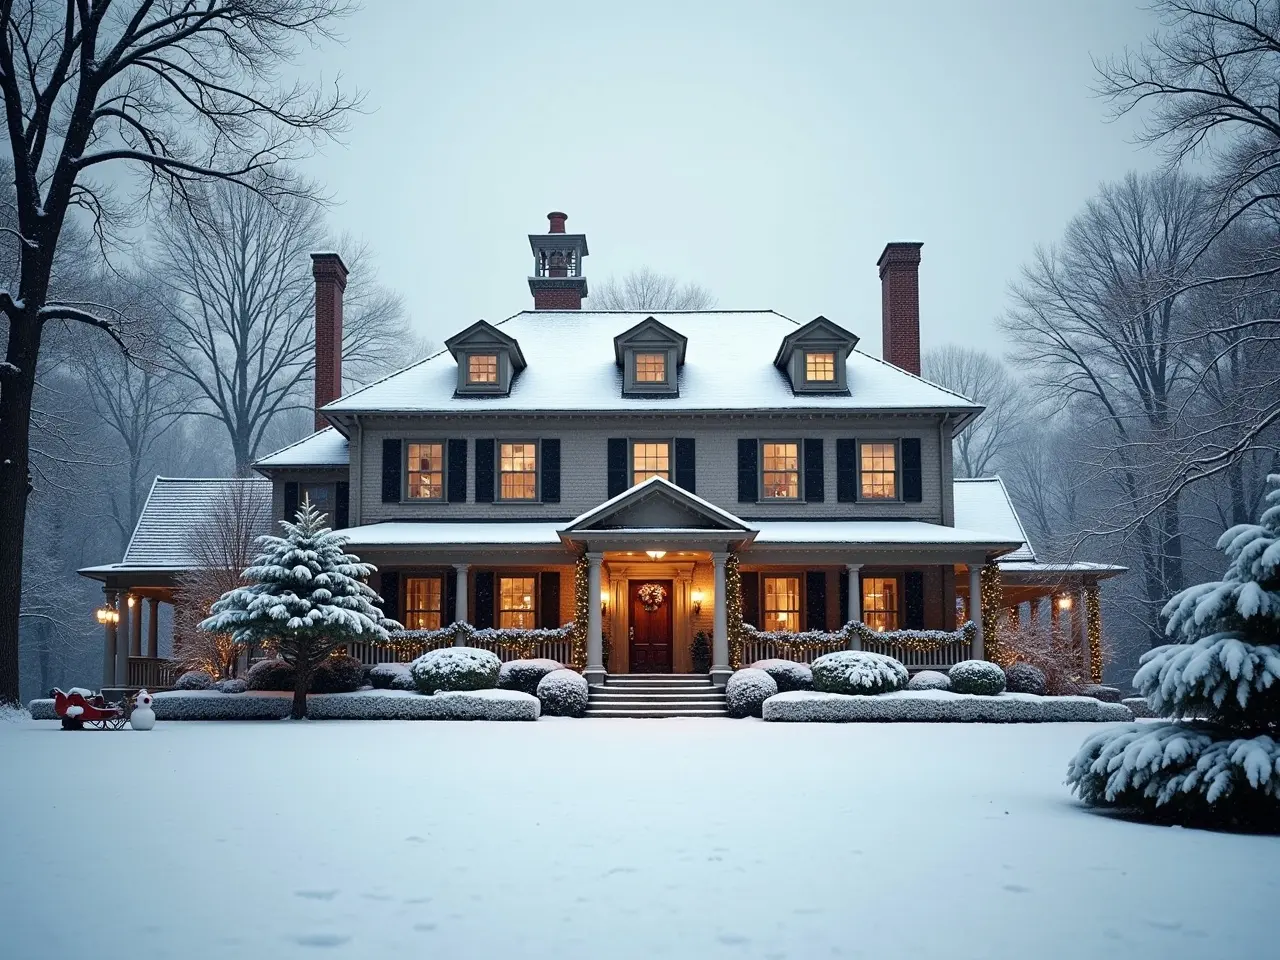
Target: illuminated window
878,466
651,368
518,471
880,603
781,471
782,603
515,602
819,367
321,497
423,602
649,459
482,368
426,471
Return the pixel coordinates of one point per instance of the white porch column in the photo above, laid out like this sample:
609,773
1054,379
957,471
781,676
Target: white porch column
720,670
595,672
108,644
854,571
975,608
153,628
460,592
123,631
135,629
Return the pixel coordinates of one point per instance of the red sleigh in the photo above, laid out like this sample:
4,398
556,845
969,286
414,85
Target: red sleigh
75,710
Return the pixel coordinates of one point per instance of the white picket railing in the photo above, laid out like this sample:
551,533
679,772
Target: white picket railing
760,648
372,653
939,658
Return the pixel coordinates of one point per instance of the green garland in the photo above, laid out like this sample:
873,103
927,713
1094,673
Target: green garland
989,603
733,609
581,610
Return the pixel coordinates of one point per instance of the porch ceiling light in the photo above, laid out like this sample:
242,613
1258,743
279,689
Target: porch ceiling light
696,598
106,614
656,554
1064,602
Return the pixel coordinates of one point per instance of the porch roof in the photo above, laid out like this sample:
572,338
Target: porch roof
1019,570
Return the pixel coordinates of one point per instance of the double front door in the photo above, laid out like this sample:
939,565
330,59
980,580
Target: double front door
651,626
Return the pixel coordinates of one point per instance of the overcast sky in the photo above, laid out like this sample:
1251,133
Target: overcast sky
767,151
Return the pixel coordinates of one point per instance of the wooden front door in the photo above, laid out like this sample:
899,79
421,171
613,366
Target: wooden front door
650,650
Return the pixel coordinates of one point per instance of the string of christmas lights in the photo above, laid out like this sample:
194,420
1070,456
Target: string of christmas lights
991,597
733,609
1093,627
581,611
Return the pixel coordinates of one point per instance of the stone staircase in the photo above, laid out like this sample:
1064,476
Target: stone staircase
656,695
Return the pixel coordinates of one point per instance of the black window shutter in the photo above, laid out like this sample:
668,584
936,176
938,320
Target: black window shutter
814,487
389,589
342,505
484,476
748,479
617,466
751,599
913,599
549,599
450,597
815,599
391,471
911,479
484,598
550,471
457,470
846,470
844,597
291,501
686,473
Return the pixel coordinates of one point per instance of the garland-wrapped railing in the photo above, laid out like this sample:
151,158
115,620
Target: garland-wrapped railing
509,644
917,649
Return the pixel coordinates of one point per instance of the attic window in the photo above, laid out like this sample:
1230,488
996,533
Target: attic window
482,368
820,367
651,368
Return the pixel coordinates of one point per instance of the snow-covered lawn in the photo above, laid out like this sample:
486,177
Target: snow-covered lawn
584,839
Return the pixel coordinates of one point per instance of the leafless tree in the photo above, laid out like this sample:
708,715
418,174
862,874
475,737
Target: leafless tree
984,379
178,92
646,289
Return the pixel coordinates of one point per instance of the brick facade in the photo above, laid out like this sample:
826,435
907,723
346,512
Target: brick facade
562,298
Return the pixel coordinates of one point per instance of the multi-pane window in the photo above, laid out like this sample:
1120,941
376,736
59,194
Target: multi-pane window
650,459
515,603
820,367
518,471
780,471
482,368
651,368
423,603
878,465
782,603
881,603
321,497
426,471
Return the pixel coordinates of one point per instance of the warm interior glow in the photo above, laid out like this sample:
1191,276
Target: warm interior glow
426,471
1064,602
696,596
515,603
820,367
423,603
518,471
878,470
650,459
482,368
880,603
782,603
656,554
651,367
781,473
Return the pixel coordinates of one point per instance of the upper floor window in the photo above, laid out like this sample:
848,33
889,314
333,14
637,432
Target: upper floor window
426,471
878,468
423,603
650,458
482,368
820,367
881,609
515,603
651,368
782,603
518,471
780,471
321,497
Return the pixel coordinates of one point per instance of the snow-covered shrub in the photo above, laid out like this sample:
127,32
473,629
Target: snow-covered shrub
929,680
212,705
981,677
525,675
938,706
746,692
391,676
402,705
337,675
271,675
235,685
787,674
1024,678
1141,709
42,709
193,680
563,693
857,671
1100,691
456,668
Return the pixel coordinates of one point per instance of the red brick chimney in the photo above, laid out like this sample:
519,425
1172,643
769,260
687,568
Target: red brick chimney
900,305
557,221
331,280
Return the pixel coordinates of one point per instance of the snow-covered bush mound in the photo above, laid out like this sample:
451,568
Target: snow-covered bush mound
42,709
981,677
402,705
938,706
271,675
337,675
456,668
194,680
857,671
562,693
391,676
525,675
12,714
787,674
235,685
212,705
1141,709
929,680
1024,678
1100,691
746,692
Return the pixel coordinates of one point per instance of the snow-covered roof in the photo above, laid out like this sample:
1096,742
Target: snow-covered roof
324,448
983,504
175,506
874,532
402,533
1041,570
663,487
572,367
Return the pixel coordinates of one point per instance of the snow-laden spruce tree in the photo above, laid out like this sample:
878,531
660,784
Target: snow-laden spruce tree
1218,761
305,598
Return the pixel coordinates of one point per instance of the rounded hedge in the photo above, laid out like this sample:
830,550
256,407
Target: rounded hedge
858,672
525,675
271,675
194,680
980,677
787,674
456,668
562,693
1024,678
929,680
746,692
337,675
232,686
391,676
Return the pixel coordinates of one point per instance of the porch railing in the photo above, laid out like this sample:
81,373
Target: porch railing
764,648
406,649
152,673
560,650
943,657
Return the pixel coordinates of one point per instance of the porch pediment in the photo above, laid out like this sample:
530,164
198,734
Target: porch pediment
656,505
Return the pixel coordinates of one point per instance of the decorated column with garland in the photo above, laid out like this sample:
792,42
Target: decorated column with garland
581,611
733,608
1093,629
990,603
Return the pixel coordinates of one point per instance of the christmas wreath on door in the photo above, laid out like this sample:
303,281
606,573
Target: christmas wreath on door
651,596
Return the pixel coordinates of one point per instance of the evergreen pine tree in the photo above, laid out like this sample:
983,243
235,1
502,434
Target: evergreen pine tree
305,598
1218,761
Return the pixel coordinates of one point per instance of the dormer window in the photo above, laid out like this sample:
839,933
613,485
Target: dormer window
482,368
820,366
650,355
488,360
651,367
814,357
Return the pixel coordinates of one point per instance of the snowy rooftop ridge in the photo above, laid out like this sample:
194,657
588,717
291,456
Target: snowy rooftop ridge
324,448
983,503
174,506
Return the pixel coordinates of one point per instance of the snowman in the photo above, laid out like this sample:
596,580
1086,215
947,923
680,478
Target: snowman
142,717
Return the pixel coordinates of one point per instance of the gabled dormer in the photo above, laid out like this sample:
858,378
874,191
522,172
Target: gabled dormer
487,358
650,355
813,357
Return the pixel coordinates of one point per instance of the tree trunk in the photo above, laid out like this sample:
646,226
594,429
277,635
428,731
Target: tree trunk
1235,480
301,684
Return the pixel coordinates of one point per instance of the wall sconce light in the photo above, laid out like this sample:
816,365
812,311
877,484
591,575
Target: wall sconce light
656,554
604,604
696,597
131,599
106,614
1064,602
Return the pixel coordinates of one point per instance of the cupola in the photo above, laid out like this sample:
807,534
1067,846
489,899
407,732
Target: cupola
557,282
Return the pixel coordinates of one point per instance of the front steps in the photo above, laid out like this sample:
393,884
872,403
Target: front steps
655,695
